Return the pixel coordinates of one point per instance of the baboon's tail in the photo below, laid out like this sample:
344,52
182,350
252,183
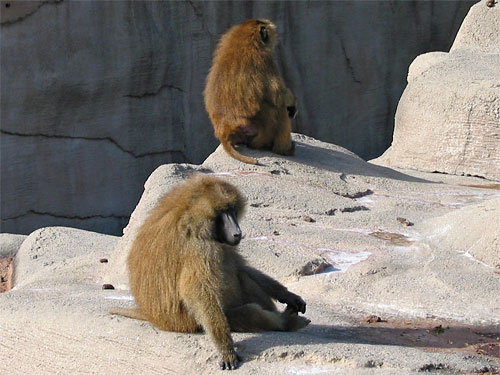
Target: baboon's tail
133,313
228,146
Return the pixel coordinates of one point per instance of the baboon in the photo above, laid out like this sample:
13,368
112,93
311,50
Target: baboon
186,274
245,96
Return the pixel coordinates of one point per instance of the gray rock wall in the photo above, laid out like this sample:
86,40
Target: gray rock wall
96,95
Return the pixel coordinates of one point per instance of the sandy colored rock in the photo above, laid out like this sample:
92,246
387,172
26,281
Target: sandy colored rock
479,30
326,164
448,119
473,231
57,314
52,252
10,243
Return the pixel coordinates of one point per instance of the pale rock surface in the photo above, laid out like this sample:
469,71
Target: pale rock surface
10,243
479,30
53,253
473,231
448,118
325,164
354,258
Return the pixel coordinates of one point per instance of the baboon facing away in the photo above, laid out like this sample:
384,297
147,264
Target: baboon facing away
245,95
186,274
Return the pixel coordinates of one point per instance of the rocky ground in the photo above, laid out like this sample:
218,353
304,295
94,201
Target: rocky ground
399,270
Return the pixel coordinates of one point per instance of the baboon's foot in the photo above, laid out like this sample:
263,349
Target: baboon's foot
288,150
293,321
229,361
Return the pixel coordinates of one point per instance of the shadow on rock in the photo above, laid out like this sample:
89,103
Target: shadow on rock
344,162
430,336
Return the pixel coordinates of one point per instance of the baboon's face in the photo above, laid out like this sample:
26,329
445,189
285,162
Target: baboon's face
226,229
267,32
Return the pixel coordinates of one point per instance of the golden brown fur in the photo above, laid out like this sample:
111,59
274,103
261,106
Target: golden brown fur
183,280
245,96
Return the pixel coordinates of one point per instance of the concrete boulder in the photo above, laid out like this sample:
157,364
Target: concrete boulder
10,243
54,253
473,231
448,119
324,163
325,224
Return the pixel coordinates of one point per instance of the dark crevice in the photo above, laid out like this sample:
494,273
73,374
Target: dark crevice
354,209
60,216
467,139
348,61
462,174
433,367
108,139
358,194
196,11
199,14
147,94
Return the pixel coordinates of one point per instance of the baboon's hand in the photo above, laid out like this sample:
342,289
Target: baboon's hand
292,111
294,303
229,361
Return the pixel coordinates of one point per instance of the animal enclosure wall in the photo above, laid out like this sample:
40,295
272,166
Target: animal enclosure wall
95,95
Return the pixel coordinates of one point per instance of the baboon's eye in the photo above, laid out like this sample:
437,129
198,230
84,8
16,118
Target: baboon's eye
263,34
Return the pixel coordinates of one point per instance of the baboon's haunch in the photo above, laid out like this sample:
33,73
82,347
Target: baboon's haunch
186,274
245,95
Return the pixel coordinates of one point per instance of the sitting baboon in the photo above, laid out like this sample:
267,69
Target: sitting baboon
186,274
245,95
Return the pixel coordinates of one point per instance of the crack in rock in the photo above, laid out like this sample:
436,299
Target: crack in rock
199,14
354,209
153,93
333,211
432,367
348,61
467,141
9,17
60,216
108,139
358,194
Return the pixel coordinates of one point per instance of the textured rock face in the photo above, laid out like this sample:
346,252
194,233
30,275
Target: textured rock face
351,259
448,119
326,164
10,243
96,95
449,252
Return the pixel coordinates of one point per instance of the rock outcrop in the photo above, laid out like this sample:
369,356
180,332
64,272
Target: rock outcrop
96,95
448,119
334,191
324,223
10,243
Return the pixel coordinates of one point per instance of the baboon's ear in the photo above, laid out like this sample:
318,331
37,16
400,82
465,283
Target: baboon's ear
263,34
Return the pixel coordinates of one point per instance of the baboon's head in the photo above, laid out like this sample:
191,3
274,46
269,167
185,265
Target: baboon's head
263,31
214,209
260,34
